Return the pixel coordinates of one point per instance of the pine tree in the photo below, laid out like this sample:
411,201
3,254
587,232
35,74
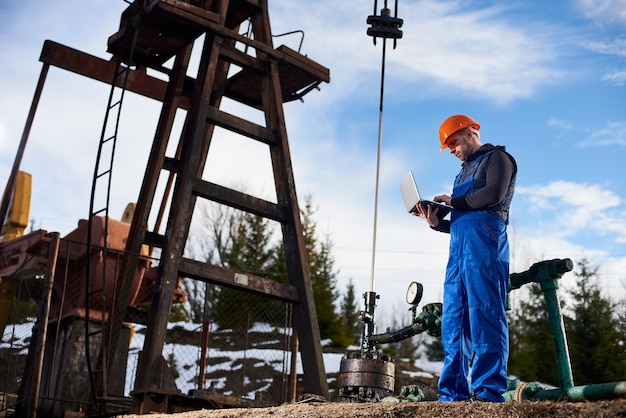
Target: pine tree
531,352
323,277
350,315
244,242
595,339
621,320
434,349
249,251
195,290
210,241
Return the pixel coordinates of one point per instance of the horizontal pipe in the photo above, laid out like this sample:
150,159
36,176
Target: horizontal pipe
543,270
399,335
596,392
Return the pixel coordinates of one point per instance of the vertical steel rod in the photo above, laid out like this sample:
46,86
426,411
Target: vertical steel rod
380,141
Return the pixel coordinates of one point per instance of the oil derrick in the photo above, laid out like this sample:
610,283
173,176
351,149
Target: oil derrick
154,32
151,34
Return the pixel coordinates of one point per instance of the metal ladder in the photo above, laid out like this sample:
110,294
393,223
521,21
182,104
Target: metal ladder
99,207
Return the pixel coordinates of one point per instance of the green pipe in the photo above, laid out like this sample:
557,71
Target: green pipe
557,329
547,273
535,392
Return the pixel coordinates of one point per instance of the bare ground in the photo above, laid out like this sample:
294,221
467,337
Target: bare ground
315,409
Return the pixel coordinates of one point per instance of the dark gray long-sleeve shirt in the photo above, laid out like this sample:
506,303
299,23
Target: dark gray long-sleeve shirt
499,168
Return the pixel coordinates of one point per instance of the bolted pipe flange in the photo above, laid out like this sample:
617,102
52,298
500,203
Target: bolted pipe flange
366,377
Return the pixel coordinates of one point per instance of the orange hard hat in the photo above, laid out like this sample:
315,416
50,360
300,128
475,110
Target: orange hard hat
454,124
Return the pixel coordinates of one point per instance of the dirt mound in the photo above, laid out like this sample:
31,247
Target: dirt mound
599,409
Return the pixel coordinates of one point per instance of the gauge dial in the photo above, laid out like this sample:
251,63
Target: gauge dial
414,293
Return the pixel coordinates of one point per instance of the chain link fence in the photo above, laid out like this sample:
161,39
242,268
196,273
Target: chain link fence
220,342
244,352
19,307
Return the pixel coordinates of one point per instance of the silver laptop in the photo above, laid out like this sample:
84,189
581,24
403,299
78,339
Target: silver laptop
411,197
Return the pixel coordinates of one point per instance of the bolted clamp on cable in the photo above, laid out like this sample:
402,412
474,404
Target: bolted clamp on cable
384,25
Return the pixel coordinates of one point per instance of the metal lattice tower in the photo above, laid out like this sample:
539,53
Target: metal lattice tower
168,29
155,32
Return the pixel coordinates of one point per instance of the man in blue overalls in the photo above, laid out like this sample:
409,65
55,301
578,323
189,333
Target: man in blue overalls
474,326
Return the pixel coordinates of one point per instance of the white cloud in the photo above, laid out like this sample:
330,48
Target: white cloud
480,52
562,124
565,209
612,134
604,11
608,15
615,47
446,46
529,247
617,78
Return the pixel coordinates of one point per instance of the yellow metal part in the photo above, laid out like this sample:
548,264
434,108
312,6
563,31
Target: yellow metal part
127,216
19,208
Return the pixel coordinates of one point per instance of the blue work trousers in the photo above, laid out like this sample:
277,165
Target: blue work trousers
474,325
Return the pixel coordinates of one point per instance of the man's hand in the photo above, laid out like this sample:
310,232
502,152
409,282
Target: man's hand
427,213
443,198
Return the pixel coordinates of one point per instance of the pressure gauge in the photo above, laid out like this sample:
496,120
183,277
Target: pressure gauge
414,293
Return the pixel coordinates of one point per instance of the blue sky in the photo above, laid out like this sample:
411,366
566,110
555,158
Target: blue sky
546,79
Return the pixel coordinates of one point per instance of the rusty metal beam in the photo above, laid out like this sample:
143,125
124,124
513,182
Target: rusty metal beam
241,126
138,227
177,229
90,66
239,200
141,83
240,281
